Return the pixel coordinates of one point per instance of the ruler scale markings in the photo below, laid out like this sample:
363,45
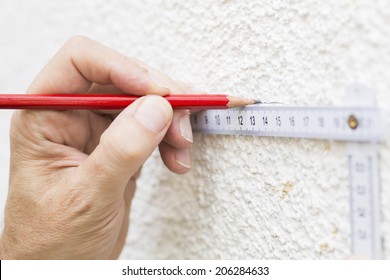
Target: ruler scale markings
357,125
364,199
288,121
373,231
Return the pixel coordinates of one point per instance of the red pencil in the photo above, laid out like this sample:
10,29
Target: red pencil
116,101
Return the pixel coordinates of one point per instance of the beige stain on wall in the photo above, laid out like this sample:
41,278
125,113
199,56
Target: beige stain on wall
287,187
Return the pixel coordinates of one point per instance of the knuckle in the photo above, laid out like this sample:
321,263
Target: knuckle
76,43
142,66
76,200
77,40
125,153
136,61
134,64
144,70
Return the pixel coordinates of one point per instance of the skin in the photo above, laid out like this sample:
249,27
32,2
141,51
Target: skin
73,173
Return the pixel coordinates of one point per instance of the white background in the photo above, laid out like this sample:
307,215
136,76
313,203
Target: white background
245,197
277,269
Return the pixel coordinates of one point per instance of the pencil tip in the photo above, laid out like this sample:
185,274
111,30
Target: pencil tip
257,101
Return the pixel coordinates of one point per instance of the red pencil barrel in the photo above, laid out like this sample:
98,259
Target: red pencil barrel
198,101
106,101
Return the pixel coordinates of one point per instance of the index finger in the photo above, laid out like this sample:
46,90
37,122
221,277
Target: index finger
82,62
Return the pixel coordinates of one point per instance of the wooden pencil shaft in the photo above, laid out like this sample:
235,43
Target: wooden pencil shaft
115,101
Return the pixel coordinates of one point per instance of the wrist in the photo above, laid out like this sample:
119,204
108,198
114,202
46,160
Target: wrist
5,253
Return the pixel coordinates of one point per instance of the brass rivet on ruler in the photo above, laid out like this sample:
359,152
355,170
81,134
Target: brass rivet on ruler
353,122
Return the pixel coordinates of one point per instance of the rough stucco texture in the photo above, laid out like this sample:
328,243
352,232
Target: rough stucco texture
245,197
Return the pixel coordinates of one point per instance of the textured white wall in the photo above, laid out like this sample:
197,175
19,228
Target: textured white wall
259,198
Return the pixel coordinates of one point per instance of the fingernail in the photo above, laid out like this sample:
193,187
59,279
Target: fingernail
183,157
185,128
156,88
154,113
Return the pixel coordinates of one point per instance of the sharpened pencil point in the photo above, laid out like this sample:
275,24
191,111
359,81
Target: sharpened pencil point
257,101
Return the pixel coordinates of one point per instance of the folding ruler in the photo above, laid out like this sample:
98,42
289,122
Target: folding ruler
358,123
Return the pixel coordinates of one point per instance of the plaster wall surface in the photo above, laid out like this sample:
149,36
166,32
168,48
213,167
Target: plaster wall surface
246,197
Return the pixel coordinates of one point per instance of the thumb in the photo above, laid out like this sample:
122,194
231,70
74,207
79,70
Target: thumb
127,143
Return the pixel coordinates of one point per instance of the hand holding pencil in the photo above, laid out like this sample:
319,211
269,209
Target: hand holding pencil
73,173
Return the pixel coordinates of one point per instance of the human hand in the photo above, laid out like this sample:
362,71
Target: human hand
73,173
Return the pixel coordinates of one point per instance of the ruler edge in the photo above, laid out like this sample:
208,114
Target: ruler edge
375,189
375,137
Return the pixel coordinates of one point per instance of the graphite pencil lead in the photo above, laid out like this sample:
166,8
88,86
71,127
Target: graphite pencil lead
239,101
